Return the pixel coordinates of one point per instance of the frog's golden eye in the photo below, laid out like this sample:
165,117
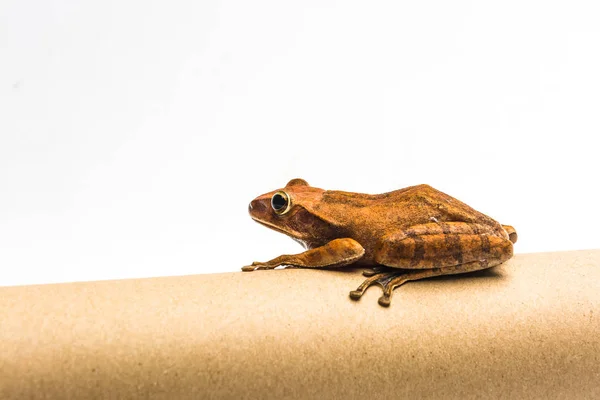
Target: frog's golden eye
281,202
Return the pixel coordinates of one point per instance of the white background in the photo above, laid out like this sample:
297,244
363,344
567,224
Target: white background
134,133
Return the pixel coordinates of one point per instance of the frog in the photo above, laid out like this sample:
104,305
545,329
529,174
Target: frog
404,235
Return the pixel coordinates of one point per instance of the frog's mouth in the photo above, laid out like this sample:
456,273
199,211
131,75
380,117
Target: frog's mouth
291,233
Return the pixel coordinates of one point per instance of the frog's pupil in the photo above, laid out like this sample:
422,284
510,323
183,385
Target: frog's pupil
278,202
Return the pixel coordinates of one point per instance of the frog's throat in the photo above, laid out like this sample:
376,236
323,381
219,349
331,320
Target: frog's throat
291,233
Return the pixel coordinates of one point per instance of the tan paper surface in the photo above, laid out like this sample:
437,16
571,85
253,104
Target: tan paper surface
527,329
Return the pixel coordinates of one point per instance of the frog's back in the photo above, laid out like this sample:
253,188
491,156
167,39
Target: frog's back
430,204
352,199
402,208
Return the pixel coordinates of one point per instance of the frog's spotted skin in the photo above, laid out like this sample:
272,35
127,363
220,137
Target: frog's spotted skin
408,234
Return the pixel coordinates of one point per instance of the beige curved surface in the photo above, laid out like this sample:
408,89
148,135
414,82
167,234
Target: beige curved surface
527,329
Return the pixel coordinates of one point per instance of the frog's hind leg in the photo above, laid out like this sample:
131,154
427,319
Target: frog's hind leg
429,250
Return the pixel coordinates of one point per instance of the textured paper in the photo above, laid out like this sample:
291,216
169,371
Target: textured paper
527,329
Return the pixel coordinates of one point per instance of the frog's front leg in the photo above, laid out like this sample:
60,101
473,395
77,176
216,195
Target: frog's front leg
429,250
337,253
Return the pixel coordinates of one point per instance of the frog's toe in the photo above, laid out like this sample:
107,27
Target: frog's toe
356,294
256,265
375,270
384,301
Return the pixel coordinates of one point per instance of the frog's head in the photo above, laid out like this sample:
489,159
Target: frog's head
291,210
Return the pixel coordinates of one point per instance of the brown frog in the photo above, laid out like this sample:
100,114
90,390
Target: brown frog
408,234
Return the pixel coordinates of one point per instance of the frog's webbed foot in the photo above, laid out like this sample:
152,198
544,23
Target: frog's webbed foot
387,280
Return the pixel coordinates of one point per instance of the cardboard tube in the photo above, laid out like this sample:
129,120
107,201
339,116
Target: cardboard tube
527,329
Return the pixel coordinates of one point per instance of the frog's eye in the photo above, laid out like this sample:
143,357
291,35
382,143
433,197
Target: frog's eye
281,203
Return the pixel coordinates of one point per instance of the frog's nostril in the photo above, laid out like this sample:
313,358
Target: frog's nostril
256,207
